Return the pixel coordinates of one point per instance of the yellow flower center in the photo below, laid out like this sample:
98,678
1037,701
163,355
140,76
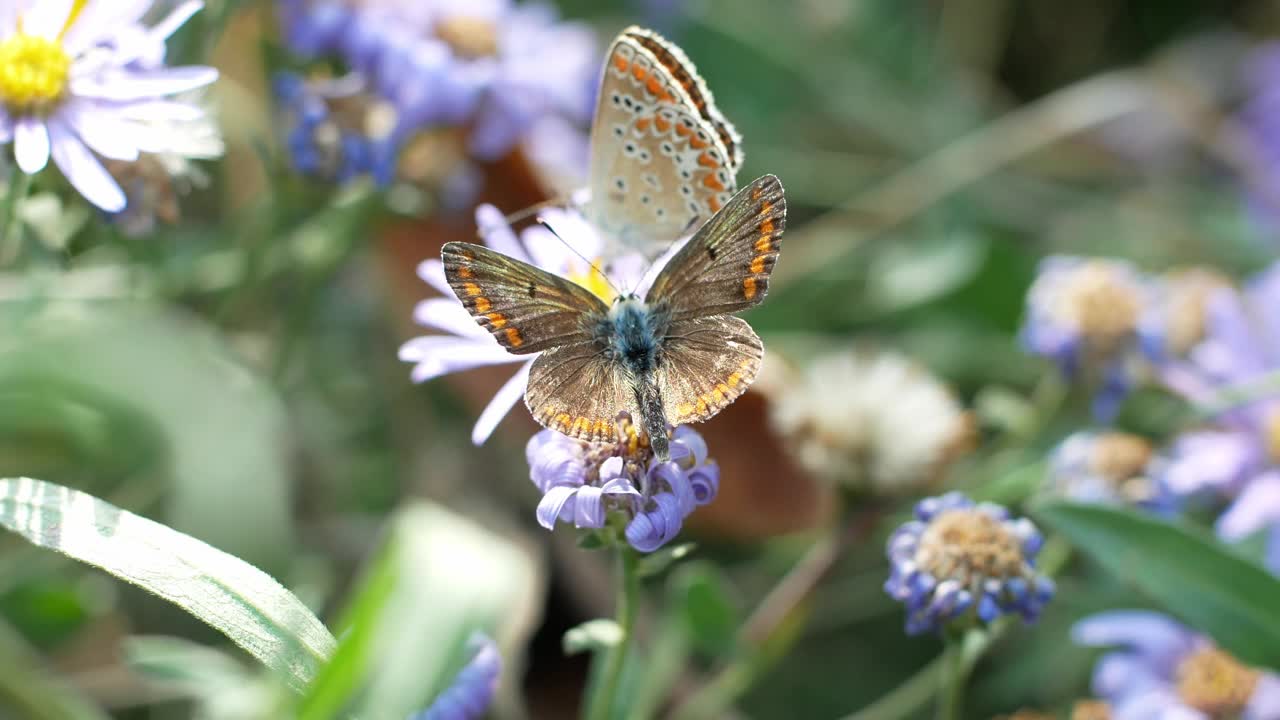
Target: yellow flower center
33,73
469,37
1215,683
1100,301
965,544
1271,435
595,281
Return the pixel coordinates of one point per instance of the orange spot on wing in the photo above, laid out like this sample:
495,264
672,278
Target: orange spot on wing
757,264
697,143
764,244
719,393
465,273
714,204
713,182
643,124
663,124
706,159
756,193
681,130
562,421
639,73
702,405
482,305
601,428
733,379
765,207
654,85
497,320
749,287
620,63
471,289
766,227
684,410
514,339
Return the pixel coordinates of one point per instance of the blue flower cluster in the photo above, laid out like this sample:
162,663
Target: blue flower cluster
958,561
492,68
584,483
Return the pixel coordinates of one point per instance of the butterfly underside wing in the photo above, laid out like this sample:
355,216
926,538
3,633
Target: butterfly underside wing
527,309
661,154
579,390
707,363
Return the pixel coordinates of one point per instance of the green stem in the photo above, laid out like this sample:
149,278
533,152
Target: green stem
11,233
610,662
953,678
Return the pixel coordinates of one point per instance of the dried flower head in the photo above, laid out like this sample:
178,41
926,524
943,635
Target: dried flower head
871,421
960,561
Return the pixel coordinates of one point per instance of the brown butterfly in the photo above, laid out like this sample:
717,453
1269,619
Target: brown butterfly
674,357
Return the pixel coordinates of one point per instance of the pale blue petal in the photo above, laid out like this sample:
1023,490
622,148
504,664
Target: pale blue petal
554,504
506,398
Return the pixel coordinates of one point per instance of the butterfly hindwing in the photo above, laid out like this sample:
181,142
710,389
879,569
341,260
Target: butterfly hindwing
527,309
725,266
658,161
577,390
707,363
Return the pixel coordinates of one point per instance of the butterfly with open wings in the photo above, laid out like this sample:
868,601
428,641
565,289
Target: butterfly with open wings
676,356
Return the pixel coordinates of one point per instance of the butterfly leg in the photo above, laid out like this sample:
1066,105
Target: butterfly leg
653,417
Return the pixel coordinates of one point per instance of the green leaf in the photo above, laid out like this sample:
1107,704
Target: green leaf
592,635
704,595
232,596
1206,584
657,563
438,578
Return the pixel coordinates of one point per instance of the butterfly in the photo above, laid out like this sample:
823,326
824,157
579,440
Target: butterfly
676,356
662,155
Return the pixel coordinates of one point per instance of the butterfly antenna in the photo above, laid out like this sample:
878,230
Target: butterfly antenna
582,257
519,215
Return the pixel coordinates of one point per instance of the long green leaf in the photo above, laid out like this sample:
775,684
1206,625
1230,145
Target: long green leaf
1203,582
232,596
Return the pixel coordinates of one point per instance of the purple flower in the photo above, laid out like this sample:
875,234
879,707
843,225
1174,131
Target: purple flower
1237,457
960,561
1261,120
78,82
472,689
1162,669
588,483
465,345
492,66
1085,315
335,130
1106,467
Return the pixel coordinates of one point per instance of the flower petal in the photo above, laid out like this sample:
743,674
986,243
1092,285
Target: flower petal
1256,507
31,144
1157,637
83,170
6,126
497,233
1264,704
505,399
141,85
46,18
449,316
553,504
588,508
103,132
431,271
98,19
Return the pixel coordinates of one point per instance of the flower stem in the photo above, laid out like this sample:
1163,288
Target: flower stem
610,661
10,232
954,675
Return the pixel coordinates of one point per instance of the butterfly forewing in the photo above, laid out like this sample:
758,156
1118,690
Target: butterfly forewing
725,267
579,391
707,363
657,160
527,309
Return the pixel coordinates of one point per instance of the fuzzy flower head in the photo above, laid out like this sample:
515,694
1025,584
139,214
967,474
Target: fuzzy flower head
593,485
461,344
958,562
1159,668
1105,467
1177,319
81,80
1085,314
870,421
